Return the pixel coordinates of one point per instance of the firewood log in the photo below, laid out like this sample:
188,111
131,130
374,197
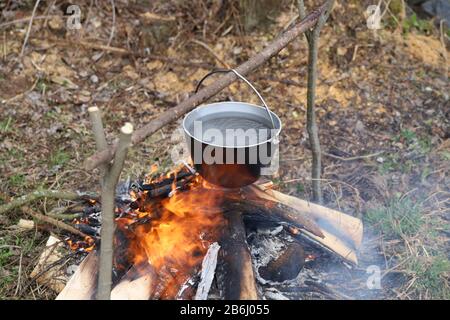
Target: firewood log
235,264
83,283
137,284
341,233
343,225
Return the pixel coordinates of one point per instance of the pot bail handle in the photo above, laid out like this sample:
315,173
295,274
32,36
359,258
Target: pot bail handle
243,79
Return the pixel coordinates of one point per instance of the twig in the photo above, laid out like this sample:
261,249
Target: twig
59,224
29,27
126,52
39,194
108,195
63,216
4,46
113,29
205,46
20,273
27,19
174,113
353,158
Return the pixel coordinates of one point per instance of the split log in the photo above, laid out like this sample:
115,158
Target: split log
45,274
334,244
83,283
235,261
187,105
253,201
341,233
343,225
208,269
137,284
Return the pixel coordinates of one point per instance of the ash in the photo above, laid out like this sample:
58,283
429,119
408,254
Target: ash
267,244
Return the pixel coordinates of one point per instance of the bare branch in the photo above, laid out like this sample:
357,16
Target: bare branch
108,195
311,123
99,135
39,194
59,224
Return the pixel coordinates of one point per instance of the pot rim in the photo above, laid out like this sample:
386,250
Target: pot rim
278,130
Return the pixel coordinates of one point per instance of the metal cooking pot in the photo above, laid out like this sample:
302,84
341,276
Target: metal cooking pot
231,142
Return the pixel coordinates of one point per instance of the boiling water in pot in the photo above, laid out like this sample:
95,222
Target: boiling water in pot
232,131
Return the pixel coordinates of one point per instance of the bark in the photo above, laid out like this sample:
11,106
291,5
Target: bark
108,205
99,136
312,37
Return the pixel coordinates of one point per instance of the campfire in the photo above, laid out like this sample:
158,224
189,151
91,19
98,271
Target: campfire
180,237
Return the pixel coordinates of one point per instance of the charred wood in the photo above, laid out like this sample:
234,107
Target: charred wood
287,266
238,279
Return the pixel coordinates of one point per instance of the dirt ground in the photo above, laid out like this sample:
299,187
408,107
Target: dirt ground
382,104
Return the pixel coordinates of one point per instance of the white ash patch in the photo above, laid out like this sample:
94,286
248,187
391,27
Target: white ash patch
267,245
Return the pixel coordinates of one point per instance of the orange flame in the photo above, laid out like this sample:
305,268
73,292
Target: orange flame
175,242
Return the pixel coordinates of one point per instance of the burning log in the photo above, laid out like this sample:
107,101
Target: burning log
343,225
172,232
236,264
254,202
165,187
286,266
341,233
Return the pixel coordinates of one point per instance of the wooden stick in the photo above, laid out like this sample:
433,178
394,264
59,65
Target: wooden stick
99,135
108,195
236,262
59,224
209,91
208,269
39,194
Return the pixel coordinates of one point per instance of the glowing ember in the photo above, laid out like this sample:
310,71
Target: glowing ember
86,245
